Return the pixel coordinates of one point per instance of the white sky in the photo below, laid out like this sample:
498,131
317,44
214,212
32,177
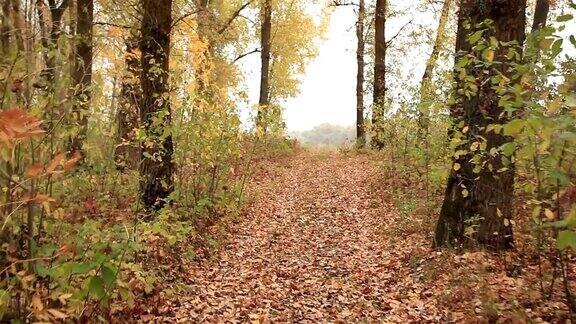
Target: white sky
328,88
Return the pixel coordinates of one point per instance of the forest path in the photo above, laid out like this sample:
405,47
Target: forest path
309,249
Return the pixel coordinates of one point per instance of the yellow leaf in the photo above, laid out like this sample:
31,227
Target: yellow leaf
57,314
457,166
489,55
549,214
37,302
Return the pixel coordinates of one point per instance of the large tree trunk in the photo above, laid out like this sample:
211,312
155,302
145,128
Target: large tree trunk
265,35
379,75
540,14
127,151
426,85
360,131
478,205
82,74
156,167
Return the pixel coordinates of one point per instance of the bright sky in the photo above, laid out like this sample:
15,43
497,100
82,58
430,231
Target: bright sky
328,89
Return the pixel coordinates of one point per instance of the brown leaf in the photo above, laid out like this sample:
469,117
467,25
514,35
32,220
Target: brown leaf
34,170
70,164
55,162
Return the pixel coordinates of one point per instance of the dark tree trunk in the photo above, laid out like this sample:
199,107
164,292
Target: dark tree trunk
265,35
360,131
426,86
82,74
379,75
486,205
156,167
50,42
540,14
127,151
5,30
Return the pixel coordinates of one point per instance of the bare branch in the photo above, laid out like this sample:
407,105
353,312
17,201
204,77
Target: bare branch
103,23
399,32
338,3
234,16
181,18
256,50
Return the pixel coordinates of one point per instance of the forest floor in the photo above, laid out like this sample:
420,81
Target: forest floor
322,241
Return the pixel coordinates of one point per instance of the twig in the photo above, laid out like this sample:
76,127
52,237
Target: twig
256,50
398,33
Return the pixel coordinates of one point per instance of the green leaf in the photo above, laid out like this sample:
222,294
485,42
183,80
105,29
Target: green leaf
564,18
108,275
566,239
474,38
96,287
514,127
81,268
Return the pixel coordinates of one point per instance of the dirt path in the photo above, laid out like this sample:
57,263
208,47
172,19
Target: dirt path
309,249
323,243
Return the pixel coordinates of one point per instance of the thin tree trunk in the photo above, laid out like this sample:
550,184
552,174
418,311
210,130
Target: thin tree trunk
540,14
5,30
50,42
203,69
265,35
82,74
156,168
379,75
127,151
17,21
360,131
478,205
426,86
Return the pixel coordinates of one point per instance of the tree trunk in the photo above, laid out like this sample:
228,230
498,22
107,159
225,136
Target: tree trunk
50,42
360,131
265,35
478,204
156,168
540,14
5,30
426,86
18,23
203,68
379,75
82,74
127,151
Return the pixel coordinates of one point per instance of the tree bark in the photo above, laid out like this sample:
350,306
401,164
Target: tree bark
5,30
379,74
18,23
127,151
265,39
50,42
82,74
540,14
360,131
156,167
486,205
426,86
